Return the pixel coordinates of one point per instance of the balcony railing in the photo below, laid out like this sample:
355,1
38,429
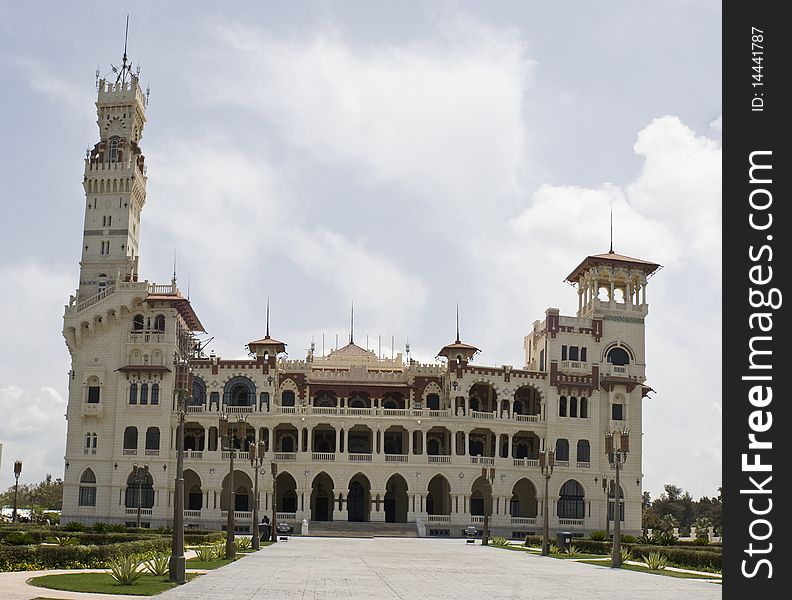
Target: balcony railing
323,456
438,518
146,337
476,519
523,520
403,458
439,414
528,418
238,409
569,522
482,415
394,412
143,511
237,455
241,515
192,514
482,460
286,516
324,410
526,462
359,457
195,409
193,455
285,456
583,465
439,459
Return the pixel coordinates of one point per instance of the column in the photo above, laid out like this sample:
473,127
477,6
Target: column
509,440
410,435
271,439
309,446
377,514
643,293
206,439
423,444
580,299
467,443
337,440
612,286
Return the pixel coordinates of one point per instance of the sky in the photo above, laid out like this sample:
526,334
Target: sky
402,156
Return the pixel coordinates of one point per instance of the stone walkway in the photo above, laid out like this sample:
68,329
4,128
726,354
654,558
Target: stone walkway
423,569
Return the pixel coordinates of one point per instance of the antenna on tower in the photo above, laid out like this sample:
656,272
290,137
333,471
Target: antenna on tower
407,349
611,228
125,68
148,93
188,286
97,77
174,266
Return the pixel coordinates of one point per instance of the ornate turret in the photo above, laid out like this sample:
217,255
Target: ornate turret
458,351
267,345
612,281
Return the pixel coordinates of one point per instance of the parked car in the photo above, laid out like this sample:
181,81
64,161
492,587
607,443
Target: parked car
284,528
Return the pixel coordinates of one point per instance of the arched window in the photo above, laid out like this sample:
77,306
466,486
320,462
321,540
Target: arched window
198,392
612,502
155,393
130,438
159,323
112,155
562,406
287,398
617,411
138,323
152,438
91,440
584,408
144,393
433,447
264,400
618,356
571,501
583,451
562,450
573,407
87,494
133,393
140,486
94,393
433,402
240,391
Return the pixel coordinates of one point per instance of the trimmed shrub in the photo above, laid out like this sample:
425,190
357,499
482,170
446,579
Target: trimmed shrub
629,539
19,538
592,547
598,536
74,526
195,539
19,558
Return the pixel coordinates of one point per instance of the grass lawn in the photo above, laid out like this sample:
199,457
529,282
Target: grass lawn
554,555
665,572
103,583
194,563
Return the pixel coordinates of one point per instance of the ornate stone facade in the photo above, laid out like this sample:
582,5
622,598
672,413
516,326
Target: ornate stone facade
356,437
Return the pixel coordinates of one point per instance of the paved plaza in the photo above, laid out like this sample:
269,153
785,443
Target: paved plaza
418,569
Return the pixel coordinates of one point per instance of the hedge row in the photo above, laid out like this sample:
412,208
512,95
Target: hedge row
683,557
85,538
29,558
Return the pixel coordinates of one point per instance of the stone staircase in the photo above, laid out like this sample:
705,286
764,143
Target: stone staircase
361,530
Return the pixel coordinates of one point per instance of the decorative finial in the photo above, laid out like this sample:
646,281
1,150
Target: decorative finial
126,69
266,335
457,323
174,267
611,228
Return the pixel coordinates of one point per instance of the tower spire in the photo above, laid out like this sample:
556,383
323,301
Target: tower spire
611,228
352,324
266,335
125,68
457,323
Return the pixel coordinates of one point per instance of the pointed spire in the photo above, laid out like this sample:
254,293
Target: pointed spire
352,324
174,266
611,228
267,335
457,324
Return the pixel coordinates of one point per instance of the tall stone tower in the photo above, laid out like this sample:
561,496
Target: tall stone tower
115,187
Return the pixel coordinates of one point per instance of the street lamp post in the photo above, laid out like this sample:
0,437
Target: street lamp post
489,477
274,470
546,464
224,429
617,457
140,476
17,473
606,483
177,568
256,461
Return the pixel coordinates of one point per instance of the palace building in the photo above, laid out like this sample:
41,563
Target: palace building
357,438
